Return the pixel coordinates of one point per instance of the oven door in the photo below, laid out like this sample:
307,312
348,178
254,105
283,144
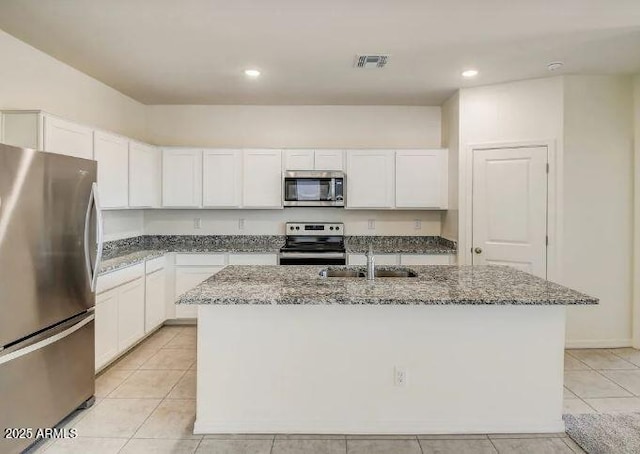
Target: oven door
313,258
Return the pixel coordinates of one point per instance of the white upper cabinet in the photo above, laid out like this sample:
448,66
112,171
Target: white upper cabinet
298,159
313,160
262,179
329,160
370,175
222,178
145,162
112,153
421,179
63,137
41,131
181,177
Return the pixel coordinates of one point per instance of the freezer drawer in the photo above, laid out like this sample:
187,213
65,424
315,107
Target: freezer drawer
45,378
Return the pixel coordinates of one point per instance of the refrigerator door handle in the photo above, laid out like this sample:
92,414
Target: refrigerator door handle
94,200
87,226
7,356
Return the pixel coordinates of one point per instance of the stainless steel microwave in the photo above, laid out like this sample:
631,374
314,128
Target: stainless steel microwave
313,188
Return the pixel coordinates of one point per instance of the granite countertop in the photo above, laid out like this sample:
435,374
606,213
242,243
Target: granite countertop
130,251
434,285
128,258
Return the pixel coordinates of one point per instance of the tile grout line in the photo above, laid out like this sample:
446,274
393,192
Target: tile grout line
493,444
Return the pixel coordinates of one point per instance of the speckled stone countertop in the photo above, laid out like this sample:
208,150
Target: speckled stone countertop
128,259
432,245
130,251
434,285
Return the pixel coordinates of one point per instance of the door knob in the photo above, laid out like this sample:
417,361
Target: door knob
478,250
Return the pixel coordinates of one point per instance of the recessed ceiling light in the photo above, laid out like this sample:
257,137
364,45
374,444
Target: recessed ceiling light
469,73
555,65
251,73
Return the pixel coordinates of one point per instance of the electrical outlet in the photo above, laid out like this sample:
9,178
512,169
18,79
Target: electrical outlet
418,224
197,223
400,376
240,224
371,224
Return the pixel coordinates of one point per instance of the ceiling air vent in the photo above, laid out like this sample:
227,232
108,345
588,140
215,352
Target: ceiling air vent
371,61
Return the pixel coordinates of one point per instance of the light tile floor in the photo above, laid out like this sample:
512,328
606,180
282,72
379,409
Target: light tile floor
145,403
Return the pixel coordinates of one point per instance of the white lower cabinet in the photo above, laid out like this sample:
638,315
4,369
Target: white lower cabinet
380,259
427,259
130,313
120,312
155,307
188,278
253,259
106,340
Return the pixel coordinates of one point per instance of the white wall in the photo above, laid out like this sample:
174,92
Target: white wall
588,119
296,126
513,112
31,79
451,140
271,222
598,206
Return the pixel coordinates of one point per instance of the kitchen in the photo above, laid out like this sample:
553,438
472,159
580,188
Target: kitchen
191,181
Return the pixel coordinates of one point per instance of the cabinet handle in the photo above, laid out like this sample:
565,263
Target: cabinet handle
478,250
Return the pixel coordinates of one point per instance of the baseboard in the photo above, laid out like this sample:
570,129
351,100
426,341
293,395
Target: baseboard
181,321
599,343
376,427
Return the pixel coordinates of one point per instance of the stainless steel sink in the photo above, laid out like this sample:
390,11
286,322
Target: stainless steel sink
341,273
395,273
359,273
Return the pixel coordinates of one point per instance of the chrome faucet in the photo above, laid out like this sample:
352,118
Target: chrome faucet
371,264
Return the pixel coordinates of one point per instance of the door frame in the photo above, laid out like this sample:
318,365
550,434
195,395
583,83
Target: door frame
554,202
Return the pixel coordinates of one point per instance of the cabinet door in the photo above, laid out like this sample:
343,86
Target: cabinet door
222,178
154,299
298,159
253,259
112,154
63,137
144,175
370,178
262,179
106,312
421,179
182,177
427,259
130,313
329,160
186,279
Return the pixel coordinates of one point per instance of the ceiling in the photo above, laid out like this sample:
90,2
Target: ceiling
195,51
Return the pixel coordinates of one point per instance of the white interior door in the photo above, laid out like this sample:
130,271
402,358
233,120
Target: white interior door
510,208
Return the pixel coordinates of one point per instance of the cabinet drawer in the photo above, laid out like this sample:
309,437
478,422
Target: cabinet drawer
119,277
155,264
200,259
425,259
253,259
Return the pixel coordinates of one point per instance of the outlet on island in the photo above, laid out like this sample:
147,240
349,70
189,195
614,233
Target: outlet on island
400,376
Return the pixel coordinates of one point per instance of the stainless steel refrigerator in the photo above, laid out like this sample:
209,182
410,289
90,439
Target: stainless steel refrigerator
50,235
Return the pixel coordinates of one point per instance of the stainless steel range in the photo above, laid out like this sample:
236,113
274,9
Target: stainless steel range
314,244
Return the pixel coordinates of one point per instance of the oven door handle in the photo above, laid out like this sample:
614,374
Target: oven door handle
313,255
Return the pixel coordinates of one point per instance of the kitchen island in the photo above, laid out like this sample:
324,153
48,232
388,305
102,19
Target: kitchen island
451,350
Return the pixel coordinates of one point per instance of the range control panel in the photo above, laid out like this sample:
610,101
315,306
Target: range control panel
314,228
